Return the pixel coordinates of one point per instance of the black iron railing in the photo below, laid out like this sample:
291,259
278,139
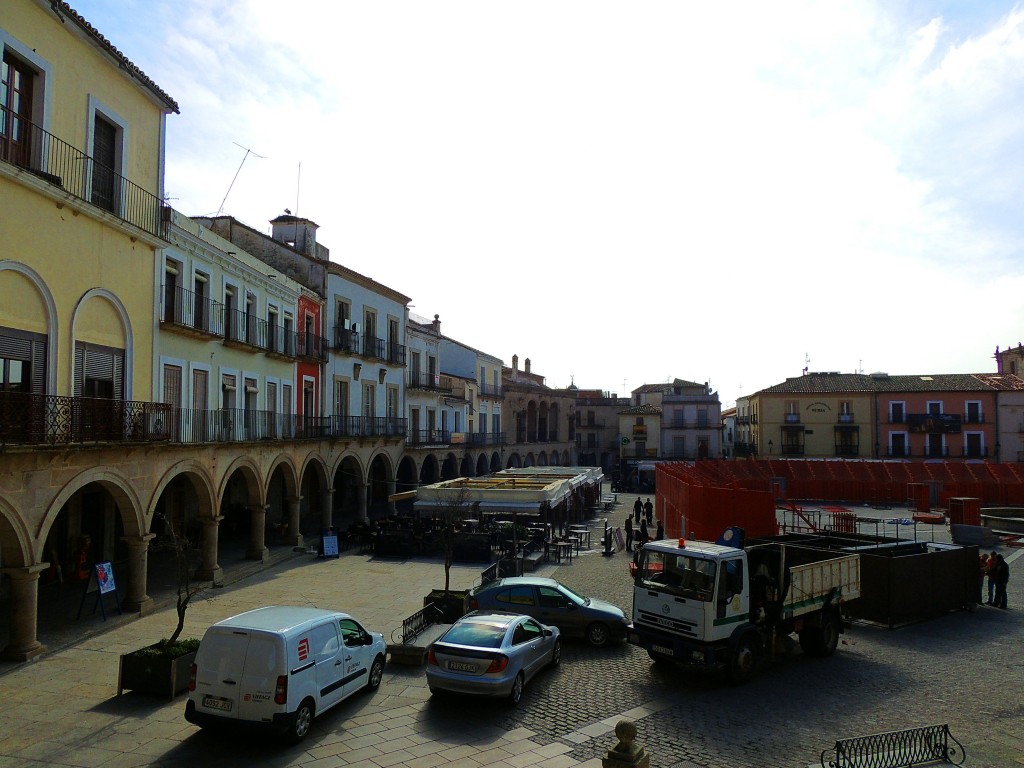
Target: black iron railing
42,154
490,390
428,437
374,347
242,328
311,346
27,419
346,340
396,353
486,438
431,381
280,341
192,311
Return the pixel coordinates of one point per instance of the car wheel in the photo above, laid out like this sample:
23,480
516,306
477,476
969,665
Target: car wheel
744,659
556,654
376,674
516,694
301,722
597,634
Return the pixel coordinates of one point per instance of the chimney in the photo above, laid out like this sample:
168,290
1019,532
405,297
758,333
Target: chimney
515,363
300,234
526,367
437,324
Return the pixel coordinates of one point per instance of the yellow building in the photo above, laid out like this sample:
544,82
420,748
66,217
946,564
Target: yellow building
81,170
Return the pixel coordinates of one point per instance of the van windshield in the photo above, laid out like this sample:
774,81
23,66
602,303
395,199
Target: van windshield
677,574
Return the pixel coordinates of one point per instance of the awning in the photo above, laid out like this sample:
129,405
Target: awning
402,496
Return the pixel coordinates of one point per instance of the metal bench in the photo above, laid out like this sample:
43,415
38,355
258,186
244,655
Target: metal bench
928,745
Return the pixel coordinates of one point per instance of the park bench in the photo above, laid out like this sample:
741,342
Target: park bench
928,745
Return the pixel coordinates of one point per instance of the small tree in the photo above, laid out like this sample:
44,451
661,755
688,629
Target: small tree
450,506
183,556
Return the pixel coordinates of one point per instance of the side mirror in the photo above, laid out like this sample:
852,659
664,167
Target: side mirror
548,633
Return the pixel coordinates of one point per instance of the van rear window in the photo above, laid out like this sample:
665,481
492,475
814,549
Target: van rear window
261,659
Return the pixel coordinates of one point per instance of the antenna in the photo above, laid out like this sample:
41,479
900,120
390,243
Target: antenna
247,153
298,186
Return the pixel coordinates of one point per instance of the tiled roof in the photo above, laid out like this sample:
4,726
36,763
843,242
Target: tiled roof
644,388
823,383
61,7
643,410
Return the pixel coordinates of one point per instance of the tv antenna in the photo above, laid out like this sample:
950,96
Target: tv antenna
232,184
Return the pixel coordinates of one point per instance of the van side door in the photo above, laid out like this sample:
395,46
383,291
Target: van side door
357,651
329,660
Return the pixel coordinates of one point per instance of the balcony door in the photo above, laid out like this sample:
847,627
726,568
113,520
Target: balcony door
105,160
16,111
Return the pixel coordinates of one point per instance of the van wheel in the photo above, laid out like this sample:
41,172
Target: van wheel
302,721
376,674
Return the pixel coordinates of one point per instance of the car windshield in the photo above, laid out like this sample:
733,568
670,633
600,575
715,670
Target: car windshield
578,599
475,633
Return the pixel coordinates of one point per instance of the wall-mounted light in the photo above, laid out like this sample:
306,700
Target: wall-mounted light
356,368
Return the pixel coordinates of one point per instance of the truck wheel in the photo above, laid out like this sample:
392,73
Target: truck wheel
597,634
301,722
829,633
376,674
744,660
660,658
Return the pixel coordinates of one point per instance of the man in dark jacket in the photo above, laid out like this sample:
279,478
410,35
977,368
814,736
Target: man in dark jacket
649,511
638,509
1002,577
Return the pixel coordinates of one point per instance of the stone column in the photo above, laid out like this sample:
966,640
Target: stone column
361,501
135,598
208,569
257,534
294,536
327,510
23,644
391,491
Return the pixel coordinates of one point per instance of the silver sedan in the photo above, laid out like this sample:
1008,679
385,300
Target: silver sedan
492,654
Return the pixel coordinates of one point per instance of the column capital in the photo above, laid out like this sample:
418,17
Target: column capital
142,540
26,572
215,520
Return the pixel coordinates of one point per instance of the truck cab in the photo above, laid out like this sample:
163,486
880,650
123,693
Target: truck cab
687,597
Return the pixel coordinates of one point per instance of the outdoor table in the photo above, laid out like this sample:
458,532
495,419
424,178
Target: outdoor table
582,531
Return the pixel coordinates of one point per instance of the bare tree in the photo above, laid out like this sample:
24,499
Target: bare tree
450,505
183,557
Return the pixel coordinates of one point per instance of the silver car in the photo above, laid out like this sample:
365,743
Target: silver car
555,604
492,654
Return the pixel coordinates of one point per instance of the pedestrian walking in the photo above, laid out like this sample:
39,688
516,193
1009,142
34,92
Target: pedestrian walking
638,508
643,536
1002,575
660,533
629,532
649,511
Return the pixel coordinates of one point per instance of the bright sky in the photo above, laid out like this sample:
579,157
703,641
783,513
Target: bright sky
626,192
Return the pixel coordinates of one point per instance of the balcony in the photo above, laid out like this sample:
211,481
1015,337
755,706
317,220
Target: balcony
486,438
428,437
375,348
27,146
346,341
280,342
792,418
974,418
244,330
791,449
975,452
640,430
845,418
430,381
847,450
191,313
27,419
396,353
310,346
490,390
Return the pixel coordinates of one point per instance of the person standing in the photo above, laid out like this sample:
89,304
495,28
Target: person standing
638,508
649,511
983,572
991,579
629,532
660,533
1002,574
643,536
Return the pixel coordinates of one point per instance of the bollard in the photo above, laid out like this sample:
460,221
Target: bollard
627,753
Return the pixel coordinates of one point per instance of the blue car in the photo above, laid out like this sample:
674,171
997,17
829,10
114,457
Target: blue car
492,654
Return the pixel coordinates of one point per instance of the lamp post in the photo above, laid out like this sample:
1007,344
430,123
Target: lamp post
770,446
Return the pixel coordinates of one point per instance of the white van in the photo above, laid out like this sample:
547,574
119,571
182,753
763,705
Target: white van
281,666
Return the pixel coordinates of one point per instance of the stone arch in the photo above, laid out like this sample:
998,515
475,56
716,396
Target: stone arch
407,475
529,460
126,329
566,460
381,481
514,461
495,462
251,475
313,485
52,331
449,467
201,480
542,459
466,468
117,486
482,467
288,473
430,470
16,547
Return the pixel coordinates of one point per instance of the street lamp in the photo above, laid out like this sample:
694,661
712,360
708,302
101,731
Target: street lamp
770,446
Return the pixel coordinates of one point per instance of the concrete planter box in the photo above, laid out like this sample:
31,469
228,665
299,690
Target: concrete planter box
147,672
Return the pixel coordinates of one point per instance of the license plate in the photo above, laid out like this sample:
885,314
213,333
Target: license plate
461,666
217,702
662,649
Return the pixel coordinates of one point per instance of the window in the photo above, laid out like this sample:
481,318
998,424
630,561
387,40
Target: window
274,341
369,400
516,596
172,298
897,413
201,312
934,408
105,155
16,102
792,415
341,399
973,413
392,395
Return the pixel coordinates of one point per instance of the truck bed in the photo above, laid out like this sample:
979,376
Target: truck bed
810,577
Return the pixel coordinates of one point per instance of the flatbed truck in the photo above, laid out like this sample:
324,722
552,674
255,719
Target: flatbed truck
727,606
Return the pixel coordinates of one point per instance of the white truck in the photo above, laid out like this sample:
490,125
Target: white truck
726,606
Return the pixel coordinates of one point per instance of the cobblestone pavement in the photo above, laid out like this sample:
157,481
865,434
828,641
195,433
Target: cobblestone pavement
964,668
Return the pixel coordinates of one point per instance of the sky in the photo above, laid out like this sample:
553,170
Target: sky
625,193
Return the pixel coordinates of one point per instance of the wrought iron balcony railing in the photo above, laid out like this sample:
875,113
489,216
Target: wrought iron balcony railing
490,390
27,419
42,154
192,311
375,348
280,341
431,381
486,438
243,328
396,353
428,437
311,346
346,340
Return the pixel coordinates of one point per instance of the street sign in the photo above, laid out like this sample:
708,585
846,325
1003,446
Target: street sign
625,441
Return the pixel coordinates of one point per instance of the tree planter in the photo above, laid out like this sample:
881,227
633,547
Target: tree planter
452,605
146,671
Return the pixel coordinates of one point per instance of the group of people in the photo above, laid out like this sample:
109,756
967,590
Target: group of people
995,567
643,515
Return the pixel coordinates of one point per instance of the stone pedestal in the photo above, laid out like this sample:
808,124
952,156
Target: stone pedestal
627,753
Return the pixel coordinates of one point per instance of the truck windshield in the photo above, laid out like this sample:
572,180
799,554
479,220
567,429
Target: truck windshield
677,574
